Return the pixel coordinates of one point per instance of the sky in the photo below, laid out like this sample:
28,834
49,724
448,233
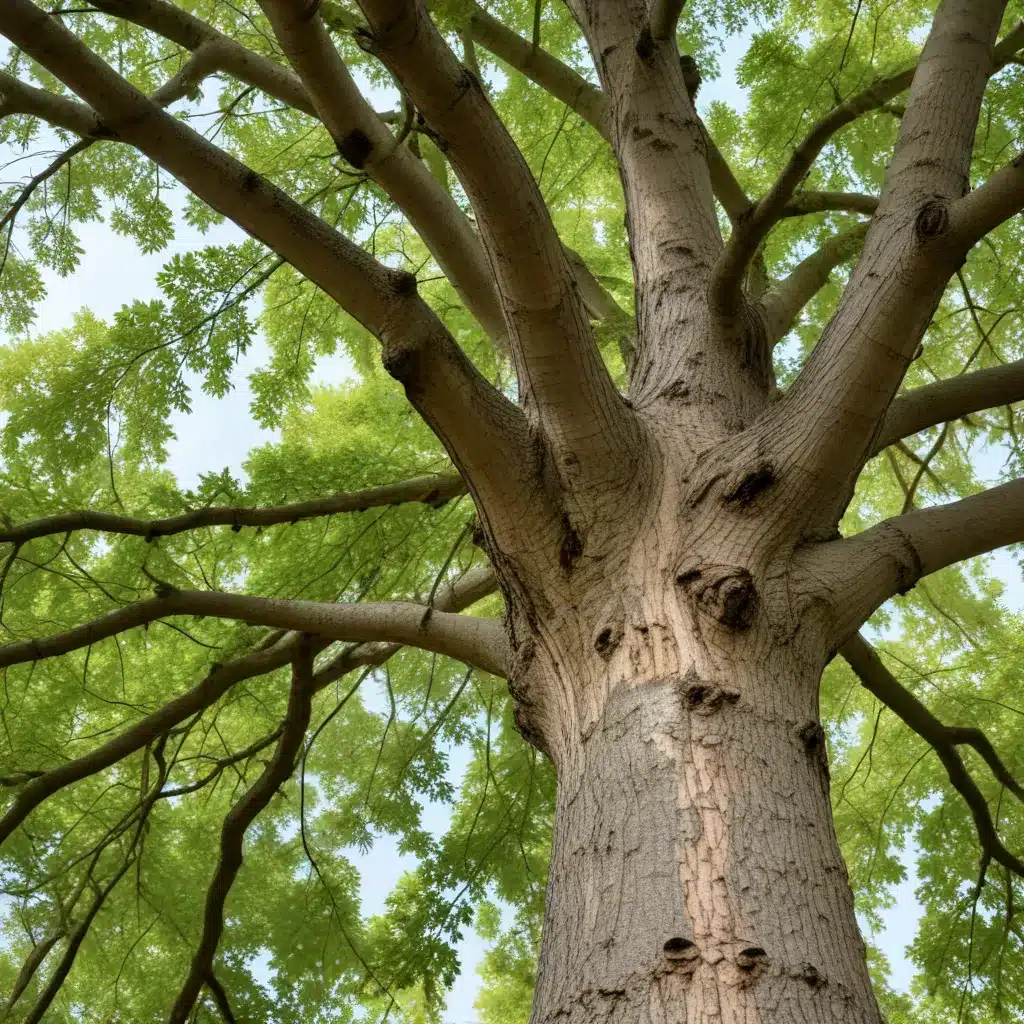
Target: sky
219,433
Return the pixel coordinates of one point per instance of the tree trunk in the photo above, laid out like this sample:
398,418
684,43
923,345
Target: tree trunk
695,873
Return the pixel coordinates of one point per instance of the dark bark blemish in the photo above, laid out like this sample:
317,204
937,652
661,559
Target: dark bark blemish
932,219
752,484
572,546
662,145
103,131
691,74
725,592
403,283
355,148
701,697
811,975
606,642
752,963
645,44
251,182
812,736
639,134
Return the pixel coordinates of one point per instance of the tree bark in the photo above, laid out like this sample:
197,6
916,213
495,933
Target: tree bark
695,872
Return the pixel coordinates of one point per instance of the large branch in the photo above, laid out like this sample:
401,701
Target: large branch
783,302
944,739
540,67
780,200
324,89
984,209
476,584
476,641
840,396
950,399
473,418
237,822
661,147
860,573
435,489
561,375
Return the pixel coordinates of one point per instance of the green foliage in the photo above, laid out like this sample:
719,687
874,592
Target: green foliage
418,752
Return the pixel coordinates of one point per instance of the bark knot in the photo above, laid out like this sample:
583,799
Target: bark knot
572,546
607,640
725,592
701,697
932,219
681,955
355,148
751,484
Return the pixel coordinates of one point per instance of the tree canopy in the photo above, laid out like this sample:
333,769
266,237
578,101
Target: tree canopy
133,763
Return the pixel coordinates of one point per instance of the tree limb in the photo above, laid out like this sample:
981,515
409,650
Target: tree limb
237,821
863,571
540,67
842,392
951,399
744,241
809,201
434,490
664,15
471,416
985,208
476,584
944,739
561,375
783,302
479,642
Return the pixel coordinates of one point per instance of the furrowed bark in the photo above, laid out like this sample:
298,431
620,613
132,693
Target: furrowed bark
662,154
479,642
473,418
837,402
237,822
562,378
943,739
951,399
368,145
476,584
783,302
434,490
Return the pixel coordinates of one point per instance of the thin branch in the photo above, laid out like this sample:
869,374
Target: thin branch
434,490
806,202
879,681
236,823
465,592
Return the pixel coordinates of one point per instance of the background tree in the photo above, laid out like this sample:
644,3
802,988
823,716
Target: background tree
674,407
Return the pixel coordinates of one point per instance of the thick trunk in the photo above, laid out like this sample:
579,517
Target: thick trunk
696,875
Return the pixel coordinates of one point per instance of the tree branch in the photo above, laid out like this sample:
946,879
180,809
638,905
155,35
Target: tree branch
985,208
476,584
779,199
434,490
540,67
841,394
236,823
861,572
479,642
944,739
561,375
664,15
951,399
805,202
471,416
783,302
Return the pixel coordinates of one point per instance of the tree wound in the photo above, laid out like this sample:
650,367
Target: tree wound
932,219
355,148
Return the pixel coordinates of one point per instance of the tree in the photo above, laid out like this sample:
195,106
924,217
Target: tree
693,480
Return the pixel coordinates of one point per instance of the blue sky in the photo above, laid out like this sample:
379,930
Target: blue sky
220,432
